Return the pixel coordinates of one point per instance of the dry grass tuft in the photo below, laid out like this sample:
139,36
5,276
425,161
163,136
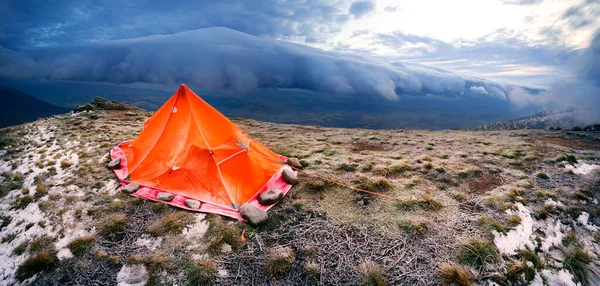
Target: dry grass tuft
280,261
452,274
112,224
202,273
79,245
371,273
42,261
415,227
219,233
172,223
477,253
378,185
577,261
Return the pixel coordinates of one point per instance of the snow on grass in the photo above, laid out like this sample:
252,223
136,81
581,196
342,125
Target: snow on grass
560,278
582,168
523,236
518,238
21,220
583,219
551,202
197,229
554,236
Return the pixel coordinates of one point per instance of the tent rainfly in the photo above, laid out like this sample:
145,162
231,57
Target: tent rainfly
191,156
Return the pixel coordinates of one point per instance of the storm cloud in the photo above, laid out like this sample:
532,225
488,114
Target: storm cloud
226,60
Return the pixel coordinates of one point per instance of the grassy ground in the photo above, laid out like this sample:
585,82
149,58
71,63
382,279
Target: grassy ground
460,194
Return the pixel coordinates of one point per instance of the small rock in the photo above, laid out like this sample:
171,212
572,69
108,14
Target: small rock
289,177
164,196
131,188
225,248
115,164
253,214
294,162
270,197
192,204
132,275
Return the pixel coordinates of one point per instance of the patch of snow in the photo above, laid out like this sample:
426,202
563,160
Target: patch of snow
537,280
583,219
551,202
196,230
582,168
149,242
223,273
64,253
518,238
560,278
20,220
132,275
554,236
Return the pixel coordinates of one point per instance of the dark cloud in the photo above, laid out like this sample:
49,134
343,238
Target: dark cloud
583,15
27,23
223,59
589,61
361,8
582,93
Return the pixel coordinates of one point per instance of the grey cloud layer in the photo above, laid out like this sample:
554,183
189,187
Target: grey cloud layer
27,23
223,59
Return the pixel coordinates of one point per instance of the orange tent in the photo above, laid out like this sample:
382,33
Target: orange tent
191,152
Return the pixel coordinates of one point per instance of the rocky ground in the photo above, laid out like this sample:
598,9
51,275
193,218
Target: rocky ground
464,207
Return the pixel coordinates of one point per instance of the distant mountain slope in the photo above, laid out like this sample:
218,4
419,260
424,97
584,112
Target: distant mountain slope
566,118
17,107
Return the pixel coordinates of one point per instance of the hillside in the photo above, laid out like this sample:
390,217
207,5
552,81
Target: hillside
562,119
18,107
508,207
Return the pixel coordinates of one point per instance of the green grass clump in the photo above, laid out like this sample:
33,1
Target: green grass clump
219,233
112,224
371,273
392,171
569,158
491,224
414,227
427,202
514,220
172,223
545,211
377,185
542,176
346,167
569,238
42,261
456,275
22,202
280,261
202,273
79,245
477,253
577,261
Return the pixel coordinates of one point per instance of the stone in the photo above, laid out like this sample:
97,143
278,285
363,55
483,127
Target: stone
165,197
115,164
253,214
192,204
131,188
132,275
270,197
294,162
289,177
